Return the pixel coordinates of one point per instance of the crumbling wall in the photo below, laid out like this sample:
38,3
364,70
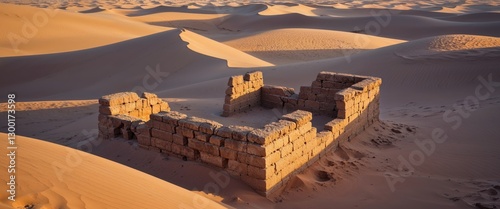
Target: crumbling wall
243,92
318,98
358,107
120,113
265,158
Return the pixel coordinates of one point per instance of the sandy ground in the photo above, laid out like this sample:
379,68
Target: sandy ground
438,61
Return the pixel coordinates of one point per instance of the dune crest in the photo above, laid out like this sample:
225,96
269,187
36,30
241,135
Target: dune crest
463,42
46,180
291,45
234,57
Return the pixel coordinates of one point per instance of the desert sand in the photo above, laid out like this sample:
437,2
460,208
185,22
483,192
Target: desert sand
438,61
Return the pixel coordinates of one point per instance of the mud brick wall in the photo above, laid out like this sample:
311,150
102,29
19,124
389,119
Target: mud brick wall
318,98
121,113
277,96
243,92
358,107
279,150
265,158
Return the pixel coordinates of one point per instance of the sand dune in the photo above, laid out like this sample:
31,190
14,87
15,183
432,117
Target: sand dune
397,27
309,44
234,57
164,53
25,35
286,9
47,180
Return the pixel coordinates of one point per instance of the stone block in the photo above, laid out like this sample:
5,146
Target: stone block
235,80
240,133
201,136
312,105
263,136
280,164
263,162
343,77
250,76
173,117
336,125
259,150
260,173
109,110
188,152
217,140
235,145
213,160
179,139
209,127
225,132
160,143
237,167
228,153
161,134
286,150
325,76
118,98
345,94
299,117
164,106
203,146
185,132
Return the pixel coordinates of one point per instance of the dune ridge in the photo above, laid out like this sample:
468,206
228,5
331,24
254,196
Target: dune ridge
87,181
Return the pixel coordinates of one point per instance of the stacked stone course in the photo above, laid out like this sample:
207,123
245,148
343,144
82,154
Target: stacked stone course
121,113
243,92
265,158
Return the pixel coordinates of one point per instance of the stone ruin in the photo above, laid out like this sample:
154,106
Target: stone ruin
267,157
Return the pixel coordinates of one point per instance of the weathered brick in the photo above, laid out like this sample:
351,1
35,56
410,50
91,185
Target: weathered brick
203,147
161,134
160,143
235,80
305,128
201,136
185,132
109,110
263,136
184,151
213,160
144,140
260,173
280,164
263,162
225,132
235,145
173,117
240,132
216,140
228,153
209,127
300,117
237,167
259,150
179,139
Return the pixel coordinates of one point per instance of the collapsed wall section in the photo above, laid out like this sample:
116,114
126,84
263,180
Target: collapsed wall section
358,107
318,98
243,92
121,113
